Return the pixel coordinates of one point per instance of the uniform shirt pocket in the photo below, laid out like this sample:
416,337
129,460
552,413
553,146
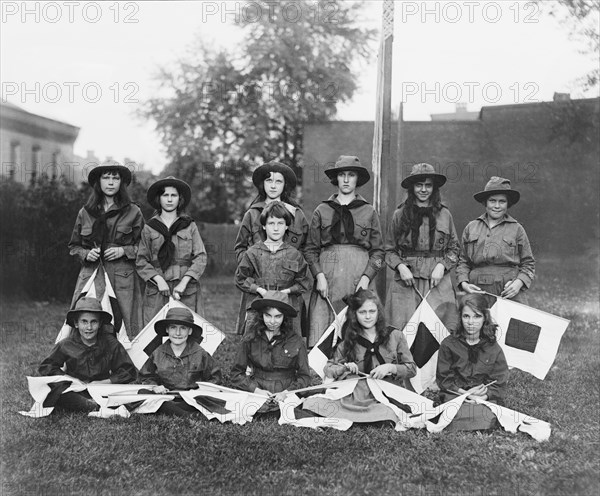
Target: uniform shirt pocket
285,357
184,244
124,235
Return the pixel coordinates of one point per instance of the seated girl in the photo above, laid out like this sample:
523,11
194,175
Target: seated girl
88,354
472,361
180,362
272,358
370,347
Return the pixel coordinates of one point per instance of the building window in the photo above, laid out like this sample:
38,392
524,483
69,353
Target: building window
15,158
36,162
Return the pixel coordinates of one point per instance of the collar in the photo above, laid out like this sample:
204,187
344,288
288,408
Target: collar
335,195
507,218
264,247
188,350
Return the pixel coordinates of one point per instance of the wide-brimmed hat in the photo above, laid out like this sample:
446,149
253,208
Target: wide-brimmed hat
181,316
498,186
262,172
109,165
275,299
184,190
423,171
87,304
348,163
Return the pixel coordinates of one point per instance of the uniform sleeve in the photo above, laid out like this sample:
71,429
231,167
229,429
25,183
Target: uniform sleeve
122,370
527,262
243,236
302,371
463,268
199,257
393,256
445,376
304,229
143,261
148,373
452,250
137,224
238,376
406,367
75,244
312,250
52,365
301,279
497,391
335,368
376,252
211,372
245,275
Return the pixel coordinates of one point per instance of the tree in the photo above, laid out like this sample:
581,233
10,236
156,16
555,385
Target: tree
227,110
582,18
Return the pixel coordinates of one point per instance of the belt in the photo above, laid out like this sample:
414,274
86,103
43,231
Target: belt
182,262
424,254
274,374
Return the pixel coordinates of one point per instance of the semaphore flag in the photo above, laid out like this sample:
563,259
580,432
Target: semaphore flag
427,328
325,347
529,337
99,279
147,340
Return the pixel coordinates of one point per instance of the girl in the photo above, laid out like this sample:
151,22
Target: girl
496,255
171,256
273,264
471,360
274,181
371,347
344,249
108,230
421,248
180,362
274,354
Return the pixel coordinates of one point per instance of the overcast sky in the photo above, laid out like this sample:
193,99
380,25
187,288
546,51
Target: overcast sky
90,63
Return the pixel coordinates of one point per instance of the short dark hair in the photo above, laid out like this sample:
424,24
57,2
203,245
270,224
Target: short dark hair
277,210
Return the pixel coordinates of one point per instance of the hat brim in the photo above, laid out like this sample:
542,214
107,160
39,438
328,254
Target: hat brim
438,179
160,327
105,317
362,173
284,308
262,172
97,171
184,190
512,196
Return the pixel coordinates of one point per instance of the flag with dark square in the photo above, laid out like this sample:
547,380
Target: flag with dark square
424,346
522,335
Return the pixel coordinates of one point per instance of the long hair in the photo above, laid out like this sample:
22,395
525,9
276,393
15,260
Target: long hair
479,304
96,196
351,328
258,326
408,213
180,206
286,194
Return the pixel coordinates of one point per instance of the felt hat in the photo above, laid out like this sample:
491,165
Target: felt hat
275,299
184,190
420,172
106,166
181,316
87,304
348,163
262,172
498,186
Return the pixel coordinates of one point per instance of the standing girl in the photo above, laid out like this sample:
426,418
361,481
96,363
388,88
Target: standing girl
274,181
344,249
171,256
108,230
421,248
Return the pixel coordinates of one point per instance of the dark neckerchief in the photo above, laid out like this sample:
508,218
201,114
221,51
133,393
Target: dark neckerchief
342,216
473,350
372,349
166,253
417,219
99,236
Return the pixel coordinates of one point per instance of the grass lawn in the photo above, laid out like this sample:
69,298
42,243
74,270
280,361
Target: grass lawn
68,454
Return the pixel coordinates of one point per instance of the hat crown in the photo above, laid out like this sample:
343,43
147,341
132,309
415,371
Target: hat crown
347,161
88,304
182,314
277,296
422,168
497,182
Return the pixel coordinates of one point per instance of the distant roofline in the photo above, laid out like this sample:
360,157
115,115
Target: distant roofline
12,106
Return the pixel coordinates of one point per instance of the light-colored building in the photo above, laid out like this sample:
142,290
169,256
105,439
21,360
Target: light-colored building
32,145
